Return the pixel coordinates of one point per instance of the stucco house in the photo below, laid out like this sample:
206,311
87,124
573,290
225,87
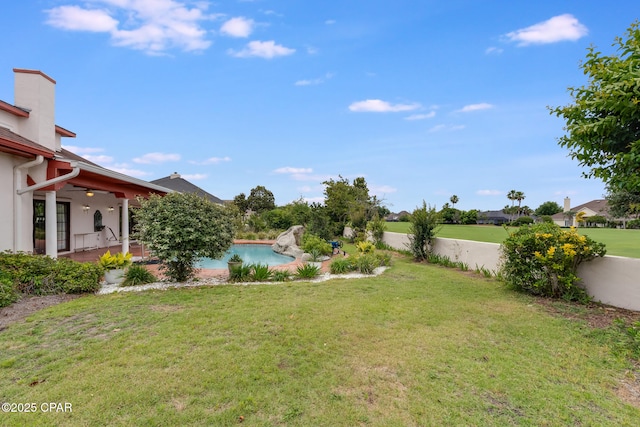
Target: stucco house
53,201
567,218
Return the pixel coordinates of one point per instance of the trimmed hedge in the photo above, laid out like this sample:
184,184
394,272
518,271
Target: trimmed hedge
41,275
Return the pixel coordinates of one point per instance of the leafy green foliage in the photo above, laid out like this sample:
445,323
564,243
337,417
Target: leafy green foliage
260,272
281,276
260,199
311,243
8,294
340,265
422,231
548,208
240,273
307,271
138,275
377,226
41,275
365,247
182,228
349,202
603,123
523,220
542,260
116,261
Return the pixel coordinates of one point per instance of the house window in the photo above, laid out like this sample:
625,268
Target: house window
39,228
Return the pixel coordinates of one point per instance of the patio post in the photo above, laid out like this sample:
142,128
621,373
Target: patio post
125,226
51,224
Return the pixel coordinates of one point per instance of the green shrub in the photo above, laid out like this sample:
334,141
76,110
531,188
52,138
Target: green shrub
365,247
377,227
523,220
138,275
633,224
307,271
542,259
340,266
42,275
311,242
240,273
384,259
366,263
281,276
8,294
422,231
260,272
72,277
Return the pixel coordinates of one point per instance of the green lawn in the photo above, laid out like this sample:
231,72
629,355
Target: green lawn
419,345
619,242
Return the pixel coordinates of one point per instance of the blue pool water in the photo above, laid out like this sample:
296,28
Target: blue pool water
250,254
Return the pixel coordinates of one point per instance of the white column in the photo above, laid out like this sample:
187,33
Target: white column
125,226
51,224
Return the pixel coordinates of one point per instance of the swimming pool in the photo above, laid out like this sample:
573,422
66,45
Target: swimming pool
250,254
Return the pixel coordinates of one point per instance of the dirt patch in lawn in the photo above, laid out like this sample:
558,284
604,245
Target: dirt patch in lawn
26,306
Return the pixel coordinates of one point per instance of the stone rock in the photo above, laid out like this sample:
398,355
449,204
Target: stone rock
289,241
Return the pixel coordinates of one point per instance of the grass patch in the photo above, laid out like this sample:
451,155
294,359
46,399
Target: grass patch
619,242
418,345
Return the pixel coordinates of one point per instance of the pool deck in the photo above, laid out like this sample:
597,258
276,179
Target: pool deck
139,252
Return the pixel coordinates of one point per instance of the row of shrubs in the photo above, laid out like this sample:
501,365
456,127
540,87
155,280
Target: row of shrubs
26,274
262,273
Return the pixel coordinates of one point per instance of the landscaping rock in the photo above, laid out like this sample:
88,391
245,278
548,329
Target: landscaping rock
289,241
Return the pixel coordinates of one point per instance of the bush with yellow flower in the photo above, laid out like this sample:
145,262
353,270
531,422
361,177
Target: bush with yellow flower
542,259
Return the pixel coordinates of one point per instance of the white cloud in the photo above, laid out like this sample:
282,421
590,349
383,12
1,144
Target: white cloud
330,21
237,27
195,176
74,18
267,50
382,190
154,158
489,193
153,26
291,170
493,50
379,106
475,107
448,128
318,199
557,29
211,161
429,115
126,169
313,82
100,159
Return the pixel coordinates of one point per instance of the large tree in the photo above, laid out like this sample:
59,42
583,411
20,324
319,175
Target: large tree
260,199
181,228
349,202
548,208
603,122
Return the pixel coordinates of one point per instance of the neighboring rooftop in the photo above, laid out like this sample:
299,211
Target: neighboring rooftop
177,183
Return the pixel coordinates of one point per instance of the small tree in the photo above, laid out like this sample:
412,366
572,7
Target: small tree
422,231
548,208
182,228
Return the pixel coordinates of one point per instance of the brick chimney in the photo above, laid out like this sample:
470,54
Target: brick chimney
35,91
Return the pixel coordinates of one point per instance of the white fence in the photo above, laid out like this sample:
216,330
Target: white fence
611,280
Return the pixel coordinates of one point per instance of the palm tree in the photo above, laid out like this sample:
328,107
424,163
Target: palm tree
519,196
454,199
511,195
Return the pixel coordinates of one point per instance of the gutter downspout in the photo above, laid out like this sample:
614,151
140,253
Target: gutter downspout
17,200
74,172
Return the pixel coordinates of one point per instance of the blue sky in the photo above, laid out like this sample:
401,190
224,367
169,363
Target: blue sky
425,99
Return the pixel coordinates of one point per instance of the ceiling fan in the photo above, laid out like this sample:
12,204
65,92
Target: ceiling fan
89,192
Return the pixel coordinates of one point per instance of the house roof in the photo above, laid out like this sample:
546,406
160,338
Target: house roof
12,143
599,206
177,183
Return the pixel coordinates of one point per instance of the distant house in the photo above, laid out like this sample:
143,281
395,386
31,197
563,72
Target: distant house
567,218
493,217
395,217
181,185
54,201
